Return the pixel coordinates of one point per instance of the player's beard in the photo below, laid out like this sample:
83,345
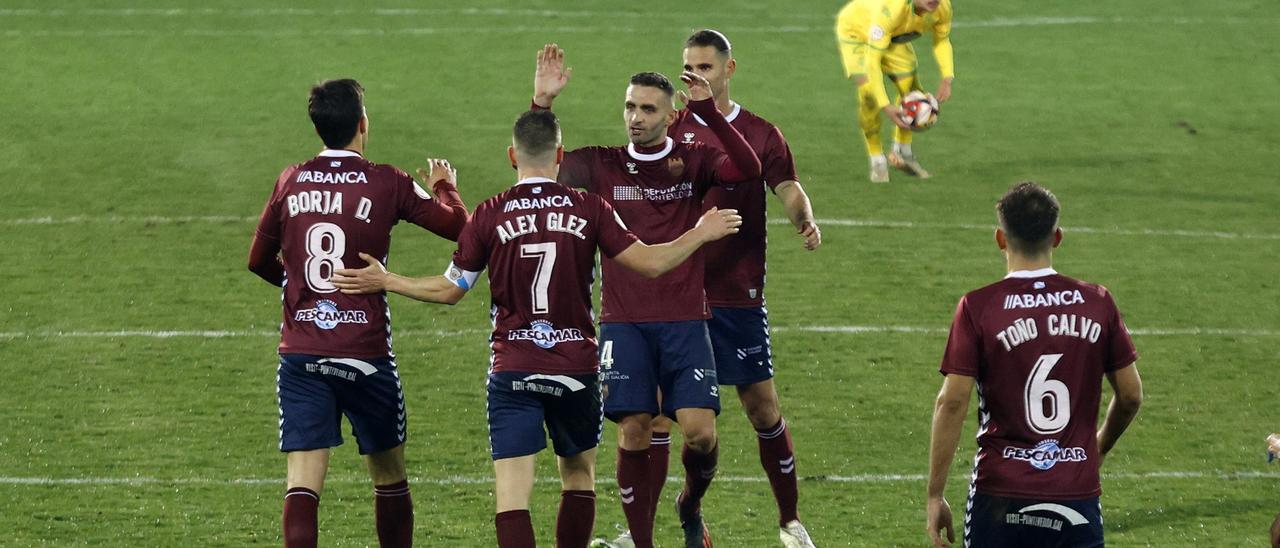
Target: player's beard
648,137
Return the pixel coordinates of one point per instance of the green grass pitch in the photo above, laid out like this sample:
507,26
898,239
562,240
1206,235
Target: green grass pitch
142,138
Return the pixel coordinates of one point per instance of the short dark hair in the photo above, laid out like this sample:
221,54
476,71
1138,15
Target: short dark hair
654,80
710,38
336,107
536,133
1028,213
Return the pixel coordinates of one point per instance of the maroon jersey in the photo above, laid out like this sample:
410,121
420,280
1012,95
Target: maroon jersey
1038,344
322,213
538,240
658,193
736,264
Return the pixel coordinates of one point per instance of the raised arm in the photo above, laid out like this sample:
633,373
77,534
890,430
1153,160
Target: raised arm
742,163
550,76
445,215
655,260
374,278
949,411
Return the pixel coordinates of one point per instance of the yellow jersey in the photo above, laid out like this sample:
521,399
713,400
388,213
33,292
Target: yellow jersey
878,24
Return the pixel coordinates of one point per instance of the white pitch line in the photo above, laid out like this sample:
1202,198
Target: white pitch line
410,333
479,480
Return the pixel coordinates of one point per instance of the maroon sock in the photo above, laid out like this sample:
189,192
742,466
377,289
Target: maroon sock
393,508
699,469
577,516
515,529
778,458
633,490
300,525
659,463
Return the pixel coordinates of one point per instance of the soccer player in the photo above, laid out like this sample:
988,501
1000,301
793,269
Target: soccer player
735,277
538,240
654,331
335,349
1037,345
875,40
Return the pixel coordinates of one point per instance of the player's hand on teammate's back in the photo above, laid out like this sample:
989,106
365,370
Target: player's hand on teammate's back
938,518
717,223
812,235
944,91
551,75
440,170
699,87
370,279
894,113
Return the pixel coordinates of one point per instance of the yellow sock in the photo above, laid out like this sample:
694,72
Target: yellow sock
904,84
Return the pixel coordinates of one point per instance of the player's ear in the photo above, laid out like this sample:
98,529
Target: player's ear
1057,237
1001,242
730,68
511,156
559,154
363,126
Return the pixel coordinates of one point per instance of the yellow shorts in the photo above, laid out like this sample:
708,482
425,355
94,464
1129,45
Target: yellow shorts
898,60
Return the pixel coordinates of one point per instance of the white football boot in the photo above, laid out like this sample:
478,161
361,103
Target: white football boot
794,535
879,169
907,164
623,540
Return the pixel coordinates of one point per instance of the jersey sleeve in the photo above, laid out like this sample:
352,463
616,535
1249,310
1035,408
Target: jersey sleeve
264,259
776,161
576,169
942,42
1120,352
964,344
472,255
613,235
443,213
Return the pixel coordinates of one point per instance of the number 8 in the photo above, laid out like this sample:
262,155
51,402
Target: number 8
323,259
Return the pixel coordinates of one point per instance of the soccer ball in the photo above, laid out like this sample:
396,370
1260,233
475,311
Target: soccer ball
920,110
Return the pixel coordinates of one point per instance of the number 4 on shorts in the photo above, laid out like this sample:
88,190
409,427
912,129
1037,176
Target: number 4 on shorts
606,355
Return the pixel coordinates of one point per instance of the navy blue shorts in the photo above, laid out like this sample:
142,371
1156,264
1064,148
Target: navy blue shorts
740,338
638,359
316,391
520,403
991,521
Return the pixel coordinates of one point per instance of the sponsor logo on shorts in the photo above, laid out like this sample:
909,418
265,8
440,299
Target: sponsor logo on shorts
1068,514
744,352
1046,454
327,316
545,335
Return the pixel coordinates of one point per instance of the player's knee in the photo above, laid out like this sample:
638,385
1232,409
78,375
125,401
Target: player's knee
634,431
701,439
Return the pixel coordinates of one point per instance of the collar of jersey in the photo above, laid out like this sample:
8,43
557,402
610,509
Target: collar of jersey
732,114
534,181
1032,273
631,151
331,153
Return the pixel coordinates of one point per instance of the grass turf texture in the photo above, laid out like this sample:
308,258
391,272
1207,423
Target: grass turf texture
116,115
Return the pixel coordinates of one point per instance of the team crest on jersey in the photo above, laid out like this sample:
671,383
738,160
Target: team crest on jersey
631,168
688,137
327,316
1046,454
545,335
